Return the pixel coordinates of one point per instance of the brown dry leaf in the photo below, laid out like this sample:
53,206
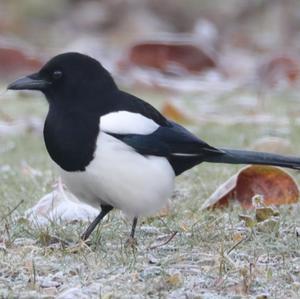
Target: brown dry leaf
275,185
280,68
237,237
15,61
220,198
175,280
270,225
177,54
249,221
262,214
172,112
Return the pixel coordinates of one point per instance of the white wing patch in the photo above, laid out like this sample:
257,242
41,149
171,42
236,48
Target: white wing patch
184,155
124,122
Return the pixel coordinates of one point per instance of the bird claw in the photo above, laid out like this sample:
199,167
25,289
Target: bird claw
131,243
79,246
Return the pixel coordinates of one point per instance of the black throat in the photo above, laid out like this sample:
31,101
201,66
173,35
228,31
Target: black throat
71,136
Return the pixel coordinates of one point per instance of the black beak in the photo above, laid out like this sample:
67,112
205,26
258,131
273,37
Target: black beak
31,82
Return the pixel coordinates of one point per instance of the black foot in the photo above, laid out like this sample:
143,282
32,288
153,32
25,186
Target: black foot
104,210
79,246
131,243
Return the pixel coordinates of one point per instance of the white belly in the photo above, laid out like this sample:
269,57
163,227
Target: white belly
120,177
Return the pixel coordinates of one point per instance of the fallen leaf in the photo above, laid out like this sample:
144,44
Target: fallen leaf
222,195
275,186
237,237
262,214
284,68
170,111
15,59
269,225
60,206
175,280
249,221
171,54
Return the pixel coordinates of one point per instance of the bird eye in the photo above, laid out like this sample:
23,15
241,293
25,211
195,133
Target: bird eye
56,75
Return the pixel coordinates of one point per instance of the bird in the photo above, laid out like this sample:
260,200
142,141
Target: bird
114,150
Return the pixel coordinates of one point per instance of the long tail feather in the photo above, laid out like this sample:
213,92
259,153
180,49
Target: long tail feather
233,156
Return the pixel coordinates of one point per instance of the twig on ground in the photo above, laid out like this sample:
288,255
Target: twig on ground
237,244
165,242
12,210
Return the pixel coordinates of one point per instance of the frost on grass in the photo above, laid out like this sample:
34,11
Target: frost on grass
186,253
213,255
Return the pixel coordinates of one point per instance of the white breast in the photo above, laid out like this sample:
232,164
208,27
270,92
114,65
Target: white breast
119,176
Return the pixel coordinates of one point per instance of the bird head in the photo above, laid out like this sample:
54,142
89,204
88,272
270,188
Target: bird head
67,77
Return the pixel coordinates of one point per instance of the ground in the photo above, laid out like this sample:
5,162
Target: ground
188,253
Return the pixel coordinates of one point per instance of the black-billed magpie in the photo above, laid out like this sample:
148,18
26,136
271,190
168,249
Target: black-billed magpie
113,149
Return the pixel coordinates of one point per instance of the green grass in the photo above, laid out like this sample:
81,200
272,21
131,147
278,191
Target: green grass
194,264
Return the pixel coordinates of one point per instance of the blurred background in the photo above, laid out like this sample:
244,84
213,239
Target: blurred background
152,41
198,61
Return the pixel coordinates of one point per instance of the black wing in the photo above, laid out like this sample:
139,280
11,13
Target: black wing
178,145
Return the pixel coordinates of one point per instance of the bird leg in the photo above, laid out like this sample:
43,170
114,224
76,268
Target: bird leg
131,242
134,223
104,210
